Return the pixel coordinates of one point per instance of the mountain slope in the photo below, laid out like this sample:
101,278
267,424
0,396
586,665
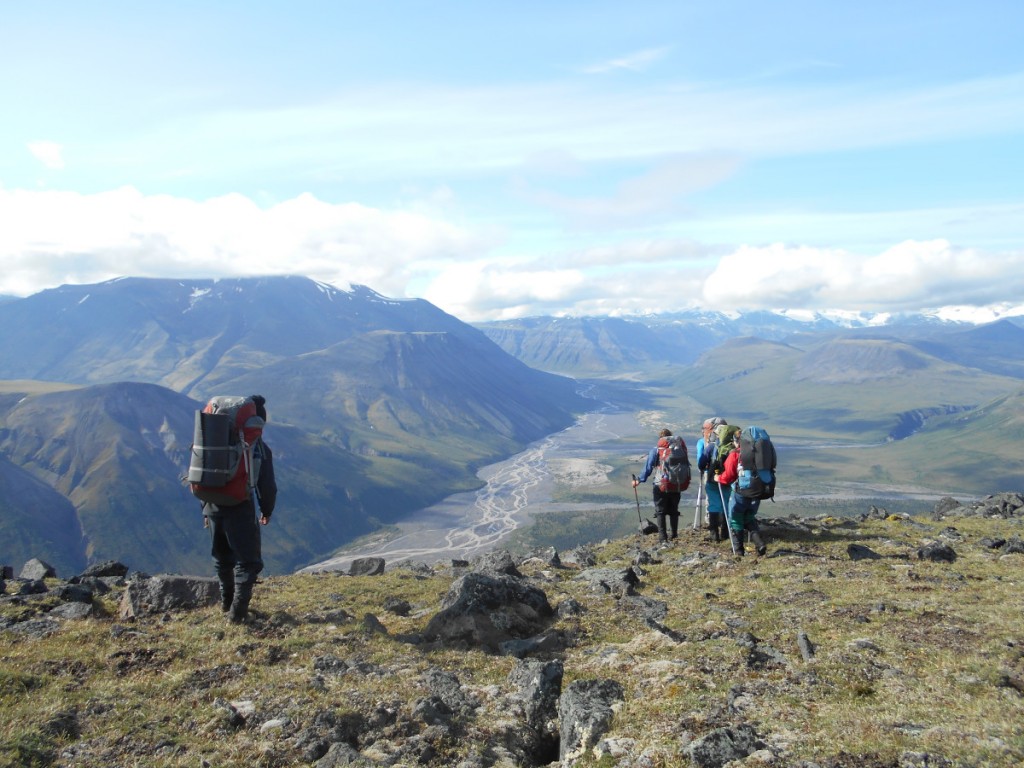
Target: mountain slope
175,333
996,347
378,407
855,389
114,455
36,519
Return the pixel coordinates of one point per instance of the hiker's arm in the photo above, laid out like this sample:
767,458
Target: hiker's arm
266,485
703,456
731,469
652,461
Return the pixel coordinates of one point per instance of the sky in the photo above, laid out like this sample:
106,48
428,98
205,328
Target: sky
504,160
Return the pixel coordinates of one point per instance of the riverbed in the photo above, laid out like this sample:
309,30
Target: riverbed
474,522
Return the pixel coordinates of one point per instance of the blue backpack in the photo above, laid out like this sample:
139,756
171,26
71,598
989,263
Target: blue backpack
756,464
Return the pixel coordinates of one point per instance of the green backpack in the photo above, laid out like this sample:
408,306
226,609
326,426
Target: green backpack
724,434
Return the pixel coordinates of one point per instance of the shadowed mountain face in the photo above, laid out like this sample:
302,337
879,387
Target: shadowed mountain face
179,333
377,408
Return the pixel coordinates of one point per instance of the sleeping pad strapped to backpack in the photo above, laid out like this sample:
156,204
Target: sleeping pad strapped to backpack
226,451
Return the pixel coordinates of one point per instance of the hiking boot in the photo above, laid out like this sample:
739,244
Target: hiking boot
227,596
238,611
759,543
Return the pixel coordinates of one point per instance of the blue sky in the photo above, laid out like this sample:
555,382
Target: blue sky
504,160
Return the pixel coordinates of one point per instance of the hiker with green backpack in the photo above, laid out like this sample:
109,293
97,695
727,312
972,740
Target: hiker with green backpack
709,462
750,470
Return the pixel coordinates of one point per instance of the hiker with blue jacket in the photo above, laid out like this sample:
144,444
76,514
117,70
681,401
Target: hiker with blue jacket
666,500
235,533
742,510
716,494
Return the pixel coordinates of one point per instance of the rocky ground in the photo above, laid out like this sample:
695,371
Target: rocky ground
883,640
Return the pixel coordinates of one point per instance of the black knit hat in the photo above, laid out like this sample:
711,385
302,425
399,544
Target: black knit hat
261,403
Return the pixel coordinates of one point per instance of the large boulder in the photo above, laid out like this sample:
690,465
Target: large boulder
36,569
167,593
485,610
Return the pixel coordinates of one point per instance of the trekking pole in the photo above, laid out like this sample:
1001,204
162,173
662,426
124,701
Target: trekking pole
637,496
696,512
725,514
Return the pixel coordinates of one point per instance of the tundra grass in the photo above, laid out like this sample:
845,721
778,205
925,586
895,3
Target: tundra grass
909,656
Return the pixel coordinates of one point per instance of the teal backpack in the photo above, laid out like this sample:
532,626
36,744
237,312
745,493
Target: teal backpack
756,464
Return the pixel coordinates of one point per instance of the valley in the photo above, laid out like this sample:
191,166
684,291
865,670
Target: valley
400,431
577,482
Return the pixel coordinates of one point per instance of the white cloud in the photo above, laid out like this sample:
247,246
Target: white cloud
49,153
910,275
50,238
57,237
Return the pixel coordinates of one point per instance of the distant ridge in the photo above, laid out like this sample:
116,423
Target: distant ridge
378,407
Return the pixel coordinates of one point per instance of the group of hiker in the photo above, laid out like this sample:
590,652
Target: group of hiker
231,472
737,471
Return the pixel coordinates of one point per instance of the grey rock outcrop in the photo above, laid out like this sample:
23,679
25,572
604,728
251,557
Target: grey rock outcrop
156,594
538,686
367,566
723,745
585,711
485,610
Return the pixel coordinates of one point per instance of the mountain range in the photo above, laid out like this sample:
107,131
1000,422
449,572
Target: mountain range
377,408
380,407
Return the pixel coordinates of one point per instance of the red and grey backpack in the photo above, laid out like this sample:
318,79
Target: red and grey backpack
675,464
226,451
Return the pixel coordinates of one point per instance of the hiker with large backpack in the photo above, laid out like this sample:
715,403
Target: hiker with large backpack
750,469
709,461
671,463
231,471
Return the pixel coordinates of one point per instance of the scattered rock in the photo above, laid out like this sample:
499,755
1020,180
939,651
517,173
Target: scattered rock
499,562
615,581
108,569
862,552
937,553
36,569
366,566
724,745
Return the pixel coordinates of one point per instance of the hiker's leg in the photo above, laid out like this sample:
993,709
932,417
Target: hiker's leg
659,509
755,529
673,512
735,522
715,523
243,533
223,561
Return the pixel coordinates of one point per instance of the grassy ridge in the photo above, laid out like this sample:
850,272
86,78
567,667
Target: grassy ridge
910,657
